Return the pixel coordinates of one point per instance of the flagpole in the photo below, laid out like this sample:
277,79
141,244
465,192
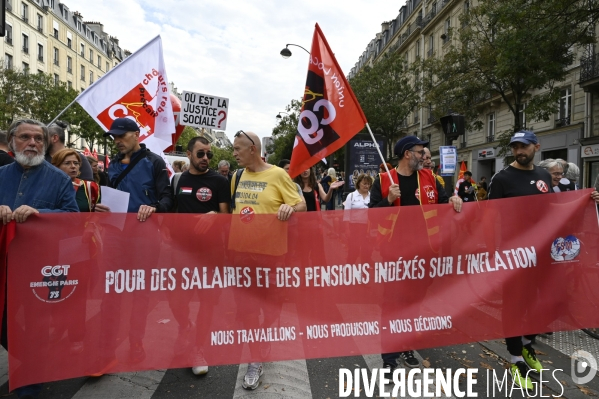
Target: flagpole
378,149
63,111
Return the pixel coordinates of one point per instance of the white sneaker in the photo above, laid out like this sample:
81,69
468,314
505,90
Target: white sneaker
199,370
252,376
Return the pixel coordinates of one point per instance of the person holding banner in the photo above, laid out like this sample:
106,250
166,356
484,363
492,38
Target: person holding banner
137,171
260,188
30,186
418,187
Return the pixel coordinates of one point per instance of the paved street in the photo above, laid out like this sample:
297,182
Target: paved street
318,378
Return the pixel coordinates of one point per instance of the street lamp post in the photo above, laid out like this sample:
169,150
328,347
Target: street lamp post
286,53
279,115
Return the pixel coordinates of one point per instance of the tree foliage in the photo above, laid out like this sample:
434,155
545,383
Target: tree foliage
509,49
387,92
223,154
187,134
37,96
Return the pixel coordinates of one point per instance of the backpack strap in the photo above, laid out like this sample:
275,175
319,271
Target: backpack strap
125,172
238,174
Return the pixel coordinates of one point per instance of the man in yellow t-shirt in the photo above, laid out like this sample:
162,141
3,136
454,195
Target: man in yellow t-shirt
262,189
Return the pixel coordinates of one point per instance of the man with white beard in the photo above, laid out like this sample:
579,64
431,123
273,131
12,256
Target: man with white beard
31,185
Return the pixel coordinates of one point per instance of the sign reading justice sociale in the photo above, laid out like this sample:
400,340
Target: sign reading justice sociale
204,111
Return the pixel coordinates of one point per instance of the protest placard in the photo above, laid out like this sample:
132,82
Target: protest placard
204,111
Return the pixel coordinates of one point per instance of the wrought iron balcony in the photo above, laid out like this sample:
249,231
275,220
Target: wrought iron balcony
490,138
562,121
589,68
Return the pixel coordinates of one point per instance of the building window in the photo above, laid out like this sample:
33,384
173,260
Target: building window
107,66
91,77
447,30
431,45
491,127
522,116
8,34
55,33
82,73
25,12
91,56
26,68
69,84
69,64
40,23
56,79
565,107
69,42
56,55
82,49
99,62
25,39
8,61
417,49
40,52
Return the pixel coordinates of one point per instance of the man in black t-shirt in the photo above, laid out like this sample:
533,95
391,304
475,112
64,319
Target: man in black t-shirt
197,190
520,178
200,189
466,190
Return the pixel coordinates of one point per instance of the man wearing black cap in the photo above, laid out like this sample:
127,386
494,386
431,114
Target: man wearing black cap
521,177
138,171
418,187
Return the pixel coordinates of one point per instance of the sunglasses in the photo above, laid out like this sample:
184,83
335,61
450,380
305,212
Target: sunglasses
200,154
245,134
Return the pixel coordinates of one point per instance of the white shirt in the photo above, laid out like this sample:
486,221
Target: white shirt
355,201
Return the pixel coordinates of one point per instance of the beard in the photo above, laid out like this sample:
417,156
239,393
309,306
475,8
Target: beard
199,167
27,161
524,160
415,164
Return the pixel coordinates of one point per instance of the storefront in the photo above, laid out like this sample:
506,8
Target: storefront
589,153
485,163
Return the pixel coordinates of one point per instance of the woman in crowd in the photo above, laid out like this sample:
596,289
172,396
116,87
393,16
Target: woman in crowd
87,193
360,198
313,191
556,171
177,166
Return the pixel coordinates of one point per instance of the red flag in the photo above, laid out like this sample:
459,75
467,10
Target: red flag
107,160
331,114
95,154
86,152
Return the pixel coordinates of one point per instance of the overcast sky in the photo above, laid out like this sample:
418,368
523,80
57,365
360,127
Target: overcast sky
231,48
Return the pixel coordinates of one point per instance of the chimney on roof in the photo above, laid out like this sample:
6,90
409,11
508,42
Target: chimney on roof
384,26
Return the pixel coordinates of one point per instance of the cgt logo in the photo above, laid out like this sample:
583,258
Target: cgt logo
56,271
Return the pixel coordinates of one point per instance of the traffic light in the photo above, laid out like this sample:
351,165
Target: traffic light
453,126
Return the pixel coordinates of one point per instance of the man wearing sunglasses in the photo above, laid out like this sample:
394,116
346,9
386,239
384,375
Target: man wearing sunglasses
201,189
411,184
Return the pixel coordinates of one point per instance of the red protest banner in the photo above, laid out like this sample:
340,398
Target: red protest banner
331,114
106,293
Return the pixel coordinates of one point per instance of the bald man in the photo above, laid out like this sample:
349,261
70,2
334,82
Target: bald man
262,189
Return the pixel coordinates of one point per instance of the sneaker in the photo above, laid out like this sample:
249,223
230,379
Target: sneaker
409,359
202,367
252,376
530,357
518,371
391,367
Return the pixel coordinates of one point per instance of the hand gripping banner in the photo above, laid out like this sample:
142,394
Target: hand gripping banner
105,293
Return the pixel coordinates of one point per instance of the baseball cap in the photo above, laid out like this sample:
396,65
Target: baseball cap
121,126
406,143
524,136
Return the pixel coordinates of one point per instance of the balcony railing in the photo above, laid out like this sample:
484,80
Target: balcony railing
70,70
432,119
25,19
40,29
562,121
40,58
26,49
56,62
9,40
589,68
490,138
463,144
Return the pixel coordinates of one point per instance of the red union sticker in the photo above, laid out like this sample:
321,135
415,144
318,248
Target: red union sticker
542,186
247,214
204,194
56,284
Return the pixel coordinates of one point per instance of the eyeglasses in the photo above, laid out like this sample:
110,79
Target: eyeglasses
421,152
200,154
246,135
25,138
557,174
74,163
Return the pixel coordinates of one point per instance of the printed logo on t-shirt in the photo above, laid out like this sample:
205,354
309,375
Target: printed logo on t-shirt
185,190
247,214
542,186
430,194
203,194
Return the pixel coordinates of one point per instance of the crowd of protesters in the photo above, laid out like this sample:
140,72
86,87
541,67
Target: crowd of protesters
38,174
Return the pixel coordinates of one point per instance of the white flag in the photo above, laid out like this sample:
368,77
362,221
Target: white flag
137,89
